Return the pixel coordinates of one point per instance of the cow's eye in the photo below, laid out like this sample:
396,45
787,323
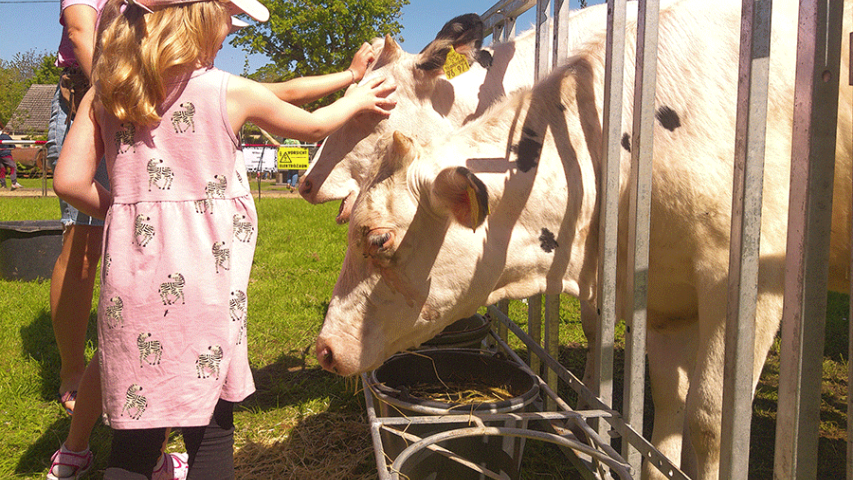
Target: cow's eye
380,243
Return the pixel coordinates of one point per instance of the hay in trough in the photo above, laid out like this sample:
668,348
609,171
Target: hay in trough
323,446
460,392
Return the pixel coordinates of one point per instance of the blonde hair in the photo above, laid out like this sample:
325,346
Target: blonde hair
138,52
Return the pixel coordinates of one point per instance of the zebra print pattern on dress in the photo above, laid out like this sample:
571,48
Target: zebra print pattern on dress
112,313
134,404
175,288
182,120
243,229
238,307
143,232
158,172
221,256
208,363
214,189
147,349
124,138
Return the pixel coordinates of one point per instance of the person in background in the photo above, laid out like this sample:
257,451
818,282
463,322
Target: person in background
181,223
73,279
6,161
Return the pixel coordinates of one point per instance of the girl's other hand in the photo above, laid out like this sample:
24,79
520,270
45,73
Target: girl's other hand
362,59
373,96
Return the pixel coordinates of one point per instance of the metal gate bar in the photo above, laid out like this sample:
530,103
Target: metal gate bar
809,218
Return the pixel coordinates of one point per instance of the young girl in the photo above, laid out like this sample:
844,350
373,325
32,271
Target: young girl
180,222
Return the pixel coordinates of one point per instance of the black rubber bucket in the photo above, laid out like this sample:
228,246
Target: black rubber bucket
465,333
393,382
28,249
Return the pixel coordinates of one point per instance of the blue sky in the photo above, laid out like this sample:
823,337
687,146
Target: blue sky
34,24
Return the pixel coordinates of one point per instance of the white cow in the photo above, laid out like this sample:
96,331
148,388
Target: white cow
507,207
428,104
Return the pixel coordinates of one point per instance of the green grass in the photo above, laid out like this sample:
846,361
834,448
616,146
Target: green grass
304,423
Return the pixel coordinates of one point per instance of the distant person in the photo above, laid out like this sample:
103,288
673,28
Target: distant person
6,161
73,279
181,222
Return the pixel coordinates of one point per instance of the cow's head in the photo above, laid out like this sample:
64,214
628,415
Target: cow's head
424,100
415,240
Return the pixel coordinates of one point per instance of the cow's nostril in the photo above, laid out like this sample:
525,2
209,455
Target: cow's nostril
305,186
326,358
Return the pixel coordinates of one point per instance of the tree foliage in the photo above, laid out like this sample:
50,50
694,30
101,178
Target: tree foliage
17,74
315,37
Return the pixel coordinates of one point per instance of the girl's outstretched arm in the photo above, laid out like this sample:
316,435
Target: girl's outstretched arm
74,178
302,90
250,101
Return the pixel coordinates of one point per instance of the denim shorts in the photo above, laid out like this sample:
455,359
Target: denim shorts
57,128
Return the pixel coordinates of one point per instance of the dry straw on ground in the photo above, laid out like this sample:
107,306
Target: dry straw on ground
322,446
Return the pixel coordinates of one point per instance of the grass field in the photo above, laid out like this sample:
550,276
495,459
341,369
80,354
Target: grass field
304,423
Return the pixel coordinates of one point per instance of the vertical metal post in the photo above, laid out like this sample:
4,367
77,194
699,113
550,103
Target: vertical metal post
640,195
745,236
498,34
534,329
809,217
561,31
609,202
850,314
503,332
543,39
552,343
508,29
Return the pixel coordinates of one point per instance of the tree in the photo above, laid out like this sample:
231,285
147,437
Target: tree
315,37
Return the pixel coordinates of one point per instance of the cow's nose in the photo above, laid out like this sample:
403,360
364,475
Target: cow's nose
325,356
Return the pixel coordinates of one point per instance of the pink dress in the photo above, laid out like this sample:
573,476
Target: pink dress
179,240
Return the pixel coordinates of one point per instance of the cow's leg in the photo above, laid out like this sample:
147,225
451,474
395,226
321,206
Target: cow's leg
704,408
670,359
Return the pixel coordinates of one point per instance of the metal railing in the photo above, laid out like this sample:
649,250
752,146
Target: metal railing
809,218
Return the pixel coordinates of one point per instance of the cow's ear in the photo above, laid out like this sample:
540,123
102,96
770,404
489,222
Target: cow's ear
461,193
465,34
390,53
396,156
403,149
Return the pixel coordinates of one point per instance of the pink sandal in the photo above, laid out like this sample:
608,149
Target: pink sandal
68,465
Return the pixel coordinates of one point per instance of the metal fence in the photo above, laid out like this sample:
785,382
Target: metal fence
816,103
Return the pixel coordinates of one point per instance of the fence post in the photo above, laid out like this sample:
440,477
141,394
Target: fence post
809,217
609,202
745,237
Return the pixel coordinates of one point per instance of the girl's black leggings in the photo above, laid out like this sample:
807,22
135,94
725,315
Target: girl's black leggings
210,448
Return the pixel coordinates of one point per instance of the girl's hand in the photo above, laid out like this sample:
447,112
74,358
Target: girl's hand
373,96
362,59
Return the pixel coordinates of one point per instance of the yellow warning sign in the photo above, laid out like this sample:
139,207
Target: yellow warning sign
455,65
292,158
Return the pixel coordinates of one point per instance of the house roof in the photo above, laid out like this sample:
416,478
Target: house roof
33,113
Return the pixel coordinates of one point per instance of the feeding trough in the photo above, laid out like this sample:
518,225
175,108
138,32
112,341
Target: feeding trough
465,333
28,249
440,382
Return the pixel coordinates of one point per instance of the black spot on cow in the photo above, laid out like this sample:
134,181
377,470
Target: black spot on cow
561,107
547,241
528,150
668,118
626,142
